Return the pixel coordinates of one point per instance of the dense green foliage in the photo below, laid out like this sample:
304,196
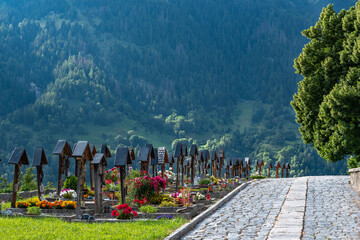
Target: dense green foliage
71,183
218,73
52,228
327,103
28,180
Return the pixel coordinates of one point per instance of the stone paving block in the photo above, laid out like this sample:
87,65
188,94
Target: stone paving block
274,209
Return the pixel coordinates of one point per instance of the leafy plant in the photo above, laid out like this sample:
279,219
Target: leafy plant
148,209
71,182
205,181
34,210
4,184
49,185
146,186
28,180
203,189
133,174
168,204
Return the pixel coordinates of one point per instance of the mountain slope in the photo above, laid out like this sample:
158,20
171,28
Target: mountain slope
218,73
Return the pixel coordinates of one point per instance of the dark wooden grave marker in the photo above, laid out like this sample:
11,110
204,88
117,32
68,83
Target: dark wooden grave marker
81,153
178,156
214,159
154,162
269,167
18,157
193,153
99,162
39,160
146,153
183,155
122,158
248,166
221,157
277,166
287,167
259,165
91,167
200,163
63,150
283,167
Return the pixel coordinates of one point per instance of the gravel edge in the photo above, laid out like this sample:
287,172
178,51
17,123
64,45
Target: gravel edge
187,227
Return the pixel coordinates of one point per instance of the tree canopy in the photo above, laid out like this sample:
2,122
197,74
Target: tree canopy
327,104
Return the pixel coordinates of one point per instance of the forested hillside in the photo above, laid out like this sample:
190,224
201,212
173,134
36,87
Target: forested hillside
218,73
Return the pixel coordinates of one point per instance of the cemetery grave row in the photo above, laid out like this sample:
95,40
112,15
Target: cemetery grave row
200,177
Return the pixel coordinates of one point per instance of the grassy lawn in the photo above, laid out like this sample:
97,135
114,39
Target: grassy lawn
52,228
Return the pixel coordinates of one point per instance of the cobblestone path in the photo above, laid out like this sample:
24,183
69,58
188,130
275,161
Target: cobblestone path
293,208
332,209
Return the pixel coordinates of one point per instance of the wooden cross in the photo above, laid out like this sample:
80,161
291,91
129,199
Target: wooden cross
99,163
277,166
81,153
269,167
193,153
39,160
122,158
18,157
63,150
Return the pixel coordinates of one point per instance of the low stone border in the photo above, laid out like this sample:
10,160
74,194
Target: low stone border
355,178
180,232
25,194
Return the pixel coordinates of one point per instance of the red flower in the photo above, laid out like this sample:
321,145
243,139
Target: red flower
125,205
134,213
114,213
129,209
119,207
126,211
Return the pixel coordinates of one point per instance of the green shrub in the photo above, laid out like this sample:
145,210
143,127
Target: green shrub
159,198
168,204
49,185
205,181
71,182
203,189
34,210
133,174
257,177
28,181
166,198
148,209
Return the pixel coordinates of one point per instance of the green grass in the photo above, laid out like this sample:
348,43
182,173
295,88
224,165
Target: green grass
52,228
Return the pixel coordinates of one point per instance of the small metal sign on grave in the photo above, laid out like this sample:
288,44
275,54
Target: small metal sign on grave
162,155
